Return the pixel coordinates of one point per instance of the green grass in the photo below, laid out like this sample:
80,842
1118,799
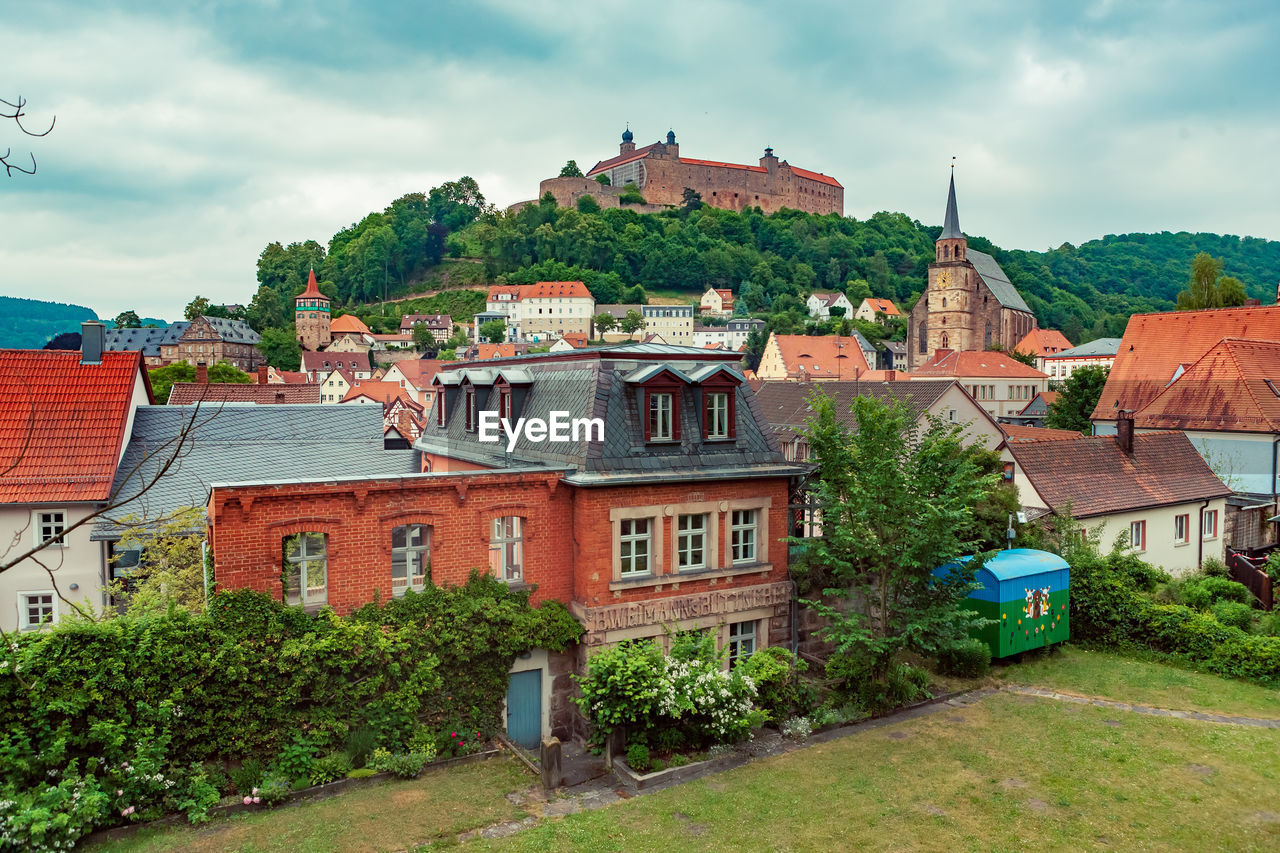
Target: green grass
1008,773
389,816
1145,682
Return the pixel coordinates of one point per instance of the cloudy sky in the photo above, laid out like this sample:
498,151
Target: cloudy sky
189,135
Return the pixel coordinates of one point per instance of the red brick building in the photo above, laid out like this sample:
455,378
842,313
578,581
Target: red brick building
670,515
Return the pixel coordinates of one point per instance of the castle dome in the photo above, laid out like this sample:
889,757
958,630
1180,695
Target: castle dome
627,135
671,137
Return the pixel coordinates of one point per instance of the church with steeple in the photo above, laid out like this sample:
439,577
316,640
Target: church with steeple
969,303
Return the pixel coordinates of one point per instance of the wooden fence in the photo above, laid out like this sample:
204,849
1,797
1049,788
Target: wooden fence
1244,567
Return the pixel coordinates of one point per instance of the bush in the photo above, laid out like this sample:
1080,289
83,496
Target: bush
1268,624
1214,568
275,788
779,688
362,773
1202,592
1233,613
833,715
969,658
638,758
330,767
196,795
797,728
247,776
51,817
406,765
296,759
631,195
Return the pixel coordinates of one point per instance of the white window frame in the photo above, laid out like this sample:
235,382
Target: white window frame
692,540
417,556
740,541
307,593
1209,523
717,415
1139,542
738,635
38,525
1183,536
630,540
655,415
24,615
506,548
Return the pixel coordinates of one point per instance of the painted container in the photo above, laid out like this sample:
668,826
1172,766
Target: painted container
1026,592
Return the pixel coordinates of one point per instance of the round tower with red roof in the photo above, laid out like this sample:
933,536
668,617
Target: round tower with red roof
311,316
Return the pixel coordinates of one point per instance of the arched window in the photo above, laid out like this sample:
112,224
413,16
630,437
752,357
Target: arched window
946,342
944,302
924,337
946,251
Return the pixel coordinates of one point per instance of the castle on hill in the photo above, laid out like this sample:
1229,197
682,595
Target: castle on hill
661,175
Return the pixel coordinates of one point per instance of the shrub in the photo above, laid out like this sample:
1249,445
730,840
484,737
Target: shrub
296,759
275,788
1268,624
196,795
330,767
969,658
361,742
1272,567
1203,592
833,715
406,765
1214,568
51,817
1233,613
779,689
638,758
797,728
247,776
362,773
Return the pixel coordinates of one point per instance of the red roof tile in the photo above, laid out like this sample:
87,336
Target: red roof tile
385,393
1097,478
313,289
947,362
559,289
346,324
1234,387
1018,432
187,393
620,159
1156,345
419,371
883,306
62,423
1043,342
821,357
815,176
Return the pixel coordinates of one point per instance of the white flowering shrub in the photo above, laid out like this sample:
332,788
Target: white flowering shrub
797,728
52,817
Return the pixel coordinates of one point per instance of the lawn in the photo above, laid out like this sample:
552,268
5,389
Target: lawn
1124,679
396,815
1007,773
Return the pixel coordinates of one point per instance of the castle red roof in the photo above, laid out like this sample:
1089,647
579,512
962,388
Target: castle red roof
1156,346
620,159
815,176
313,289
639,153
63,423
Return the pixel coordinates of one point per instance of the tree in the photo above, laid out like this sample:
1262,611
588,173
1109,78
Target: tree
631,195
571,170
604,322
162,378
587,204
65,340
169,570
128,320
603,180
633,322
691,200
454,204
1077,398
896,501
281,349
494,331
196,308
14,112
423,338
1208,288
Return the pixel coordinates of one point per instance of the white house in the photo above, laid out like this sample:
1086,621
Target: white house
716,301
820,305
1000,383
875,310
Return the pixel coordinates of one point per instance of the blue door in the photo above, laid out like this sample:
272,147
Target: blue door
524,708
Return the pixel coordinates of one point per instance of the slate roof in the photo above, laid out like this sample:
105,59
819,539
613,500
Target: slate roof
245,443
1039,405
786,408
618,312
966,363
1097,478
1093,349
187,393
62,423
230,331
995,279
951,219
1156,346
146,341
593,383
1234,387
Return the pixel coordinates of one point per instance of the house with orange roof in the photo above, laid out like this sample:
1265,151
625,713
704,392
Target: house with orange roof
1043,343
717,301
1158,348
543,311
1227,403
415,375
805,358
64,427
819,305
1000,383
876,310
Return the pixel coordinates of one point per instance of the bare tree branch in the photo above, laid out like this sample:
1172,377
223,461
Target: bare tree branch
14,112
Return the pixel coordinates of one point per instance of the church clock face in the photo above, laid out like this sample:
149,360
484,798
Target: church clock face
944,278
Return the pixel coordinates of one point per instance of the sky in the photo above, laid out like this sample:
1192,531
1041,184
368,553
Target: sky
189,135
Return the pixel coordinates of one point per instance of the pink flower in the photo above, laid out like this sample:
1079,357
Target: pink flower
124,813
119,792
248,800
255,792
453,734
257,799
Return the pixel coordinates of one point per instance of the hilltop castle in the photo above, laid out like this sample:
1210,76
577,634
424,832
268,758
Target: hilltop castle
661,175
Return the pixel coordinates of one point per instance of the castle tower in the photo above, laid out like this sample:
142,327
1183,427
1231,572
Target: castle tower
628,145
311,316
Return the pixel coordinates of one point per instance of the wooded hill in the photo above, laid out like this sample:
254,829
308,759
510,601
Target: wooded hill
30,323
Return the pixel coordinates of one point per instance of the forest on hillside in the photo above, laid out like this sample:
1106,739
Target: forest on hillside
30,323
771,261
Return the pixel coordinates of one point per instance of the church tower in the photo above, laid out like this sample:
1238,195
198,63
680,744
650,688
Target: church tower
951,290
311,316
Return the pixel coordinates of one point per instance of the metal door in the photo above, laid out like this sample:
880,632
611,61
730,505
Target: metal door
524,708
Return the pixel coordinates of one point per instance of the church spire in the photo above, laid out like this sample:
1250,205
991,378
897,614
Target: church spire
951,224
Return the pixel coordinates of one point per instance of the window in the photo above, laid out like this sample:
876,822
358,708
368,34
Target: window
440,410
306,569
1181,526
506,549
1138,535
633,546
717,415
471,409
410,557
1008,470
1209,524
37,610
660,417
504,403
691,542
742,642
742,536
49,526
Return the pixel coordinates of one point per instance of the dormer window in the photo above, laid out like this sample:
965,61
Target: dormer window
471,410
718,418
661,416
440,410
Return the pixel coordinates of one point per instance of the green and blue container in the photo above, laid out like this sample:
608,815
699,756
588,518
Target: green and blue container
1025,592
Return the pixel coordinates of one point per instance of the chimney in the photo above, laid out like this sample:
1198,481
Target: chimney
262,374
202,373
279,396
93,337
1124,431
